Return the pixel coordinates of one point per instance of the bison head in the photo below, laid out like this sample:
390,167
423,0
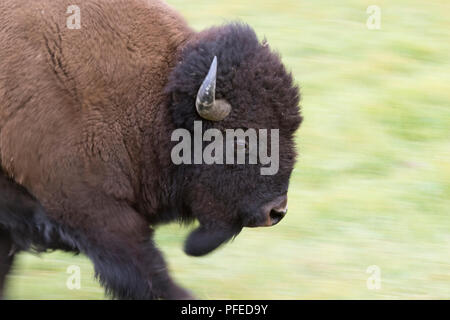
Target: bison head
227,79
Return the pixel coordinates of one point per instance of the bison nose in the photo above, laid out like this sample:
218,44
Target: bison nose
276,216
276,210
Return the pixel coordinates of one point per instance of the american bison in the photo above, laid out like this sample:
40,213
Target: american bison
86,118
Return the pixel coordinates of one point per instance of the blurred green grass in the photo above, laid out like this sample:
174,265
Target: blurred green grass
372,185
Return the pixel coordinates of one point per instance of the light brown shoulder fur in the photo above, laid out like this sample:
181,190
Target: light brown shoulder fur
73,103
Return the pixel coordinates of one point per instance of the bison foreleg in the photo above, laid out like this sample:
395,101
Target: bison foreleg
138,273
6,258
126,261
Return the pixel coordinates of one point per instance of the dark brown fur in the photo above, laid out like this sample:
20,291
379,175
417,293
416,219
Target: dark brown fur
85,123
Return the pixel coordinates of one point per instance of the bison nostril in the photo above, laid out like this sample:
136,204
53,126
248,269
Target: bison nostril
276,216
272,212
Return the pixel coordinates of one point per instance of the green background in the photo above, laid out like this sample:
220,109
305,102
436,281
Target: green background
372,184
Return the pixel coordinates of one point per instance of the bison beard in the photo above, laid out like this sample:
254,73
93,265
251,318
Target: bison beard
203,240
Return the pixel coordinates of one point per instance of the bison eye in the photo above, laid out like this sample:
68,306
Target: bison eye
242,145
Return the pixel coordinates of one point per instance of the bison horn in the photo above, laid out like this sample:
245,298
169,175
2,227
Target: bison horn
207,106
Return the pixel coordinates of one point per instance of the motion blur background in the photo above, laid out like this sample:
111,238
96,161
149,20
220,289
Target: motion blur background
372,184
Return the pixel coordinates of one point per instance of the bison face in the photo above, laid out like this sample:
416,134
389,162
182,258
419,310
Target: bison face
245,87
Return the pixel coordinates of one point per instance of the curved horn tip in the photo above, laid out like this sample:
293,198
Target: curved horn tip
207,106
207,92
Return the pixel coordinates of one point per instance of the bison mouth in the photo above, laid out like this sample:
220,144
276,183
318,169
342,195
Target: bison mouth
203,240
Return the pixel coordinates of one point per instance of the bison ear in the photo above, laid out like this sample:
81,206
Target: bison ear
202,241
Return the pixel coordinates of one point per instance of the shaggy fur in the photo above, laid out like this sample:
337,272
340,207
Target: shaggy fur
25,226
86,118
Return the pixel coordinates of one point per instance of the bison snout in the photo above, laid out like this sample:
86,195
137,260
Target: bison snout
275,210
278,210
276,216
